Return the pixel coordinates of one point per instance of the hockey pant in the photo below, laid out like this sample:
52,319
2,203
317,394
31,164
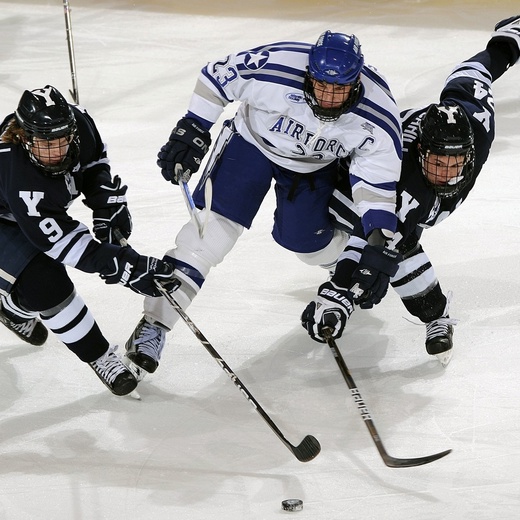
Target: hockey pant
193,258
44,289
242,176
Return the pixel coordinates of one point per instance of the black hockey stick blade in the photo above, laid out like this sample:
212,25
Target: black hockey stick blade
307,449
393,462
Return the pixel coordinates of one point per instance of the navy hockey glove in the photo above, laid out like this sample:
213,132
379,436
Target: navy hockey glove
139,273
187,146
107,219
331,308
109,211
371,278
508,31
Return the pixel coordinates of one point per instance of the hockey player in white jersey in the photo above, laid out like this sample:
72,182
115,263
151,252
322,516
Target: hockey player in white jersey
302,107
445,146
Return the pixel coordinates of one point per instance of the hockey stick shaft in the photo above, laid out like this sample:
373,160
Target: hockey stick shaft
70,43
307,449
390,461
119,237
188,199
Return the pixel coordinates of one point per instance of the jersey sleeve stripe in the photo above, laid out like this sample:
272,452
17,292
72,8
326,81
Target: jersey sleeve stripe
69,249
301,47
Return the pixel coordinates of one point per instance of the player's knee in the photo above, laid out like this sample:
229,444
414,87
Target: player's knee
220,235
329,254
43,284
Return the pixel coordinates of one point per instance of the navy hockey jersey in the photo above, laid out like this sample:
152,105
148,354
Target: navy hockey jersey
39,203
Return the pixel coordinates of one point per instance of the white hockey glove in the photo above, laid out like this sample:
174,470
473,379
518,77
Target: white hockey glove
331,308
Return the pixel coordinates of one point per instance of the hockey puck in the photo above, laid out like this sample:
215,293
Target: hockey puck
292,504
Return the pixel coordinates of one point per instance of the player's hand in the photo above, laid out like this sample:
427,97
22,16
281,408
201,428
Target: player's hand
371,278
187,146
105,220
139,273
110,211
331,308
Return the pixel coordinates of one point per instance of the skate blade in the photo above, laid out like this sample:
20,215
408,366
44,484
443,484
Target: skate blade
134,394
136,370
445,357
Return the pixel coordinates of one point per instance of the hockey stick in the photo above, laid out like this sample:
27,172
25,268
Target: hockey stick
183,183
70,42
307,449
391,462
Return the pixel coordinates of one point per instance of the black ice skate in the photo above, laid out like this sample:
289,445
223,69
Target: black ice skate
145,345
439,339
114,374
32,331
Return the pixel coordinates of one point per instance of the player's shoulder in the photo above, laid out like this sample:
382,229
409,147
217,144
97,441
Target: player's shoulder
371,73
278,54
86,127
377,93
7,152
283,46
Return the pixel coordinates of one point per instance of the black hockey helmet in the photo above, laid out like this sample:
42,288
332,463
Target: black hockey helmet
336,58
45,114
445,130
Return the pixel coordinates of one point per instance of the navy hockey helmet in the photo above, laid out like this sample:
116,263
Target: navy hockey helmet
445,130
44,115
336,59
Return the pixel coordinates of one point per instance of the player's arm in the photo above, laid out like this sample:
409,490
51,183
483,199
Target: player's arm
104,195
219,83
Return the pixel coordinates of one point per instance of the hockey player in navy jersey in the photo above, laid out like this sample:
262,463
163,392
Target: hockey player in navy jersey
445,147
302,107
50,154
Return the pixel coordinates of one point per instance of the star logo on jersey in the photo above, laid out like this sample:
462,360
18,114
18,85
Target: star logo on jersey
256,60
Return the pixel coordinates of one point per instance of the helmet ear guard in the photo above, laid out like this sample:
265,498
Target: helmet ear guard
44,114
445,130
335,59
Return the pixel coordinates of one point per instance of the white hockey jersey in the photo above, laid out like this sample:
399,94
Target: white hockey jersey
274,116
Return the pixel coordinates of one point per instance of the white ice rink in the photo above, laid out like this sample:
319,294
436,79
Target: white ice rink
193,448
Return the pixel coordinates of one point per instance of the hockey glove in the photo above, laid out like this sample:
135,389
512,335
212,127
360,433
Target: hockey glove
370,280
139,273
107,219
331,308
109,211
508,31
187,146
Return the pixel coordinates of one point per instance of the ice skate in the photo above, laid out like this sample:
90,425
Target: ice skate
145,345
439,339
32,331
114,374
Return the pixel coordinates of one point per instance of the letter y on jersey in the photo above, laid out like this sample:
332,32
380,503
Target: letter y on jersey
31,199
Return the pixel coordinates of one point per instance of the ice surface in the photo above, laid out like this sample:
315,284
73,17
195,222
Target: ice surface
193,448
